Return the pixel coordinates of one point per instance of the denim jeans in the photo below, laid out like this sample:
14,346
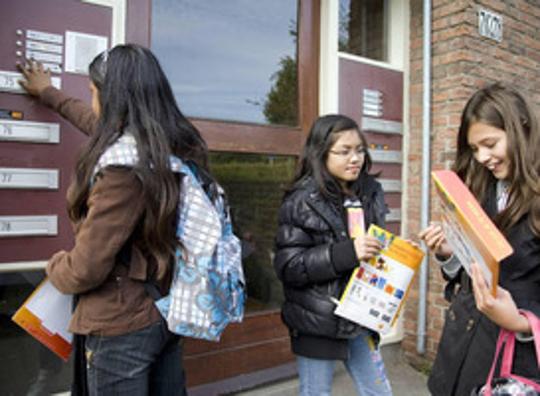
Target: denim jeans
144,362
365,366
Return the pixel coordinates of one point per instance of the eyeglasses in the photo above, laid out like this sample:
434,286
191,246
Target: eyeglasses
359,152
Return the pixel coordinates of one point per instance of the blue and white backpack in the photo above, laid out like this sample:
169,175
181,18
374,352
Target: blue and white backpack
208,286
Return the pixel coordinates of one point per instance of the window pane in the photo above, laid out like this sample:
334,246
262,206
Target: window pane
230,60
363,28
255,186
28,368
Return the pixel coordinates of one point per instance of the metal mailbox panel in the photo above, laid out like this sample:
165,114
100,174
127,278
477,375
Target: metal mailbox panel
373,97
31,178
37,154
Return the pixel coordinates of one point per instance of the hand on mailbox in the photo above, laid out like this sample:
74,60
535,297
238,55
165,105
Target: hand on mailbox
36,78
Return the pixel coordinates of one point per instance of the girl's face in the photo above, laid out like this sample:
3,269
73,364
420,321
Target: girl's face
489,146
96,107
346,157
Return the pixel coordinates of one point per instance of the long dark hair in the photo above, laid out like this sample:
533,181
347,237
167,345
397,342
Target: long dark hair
503,107
135,97
312,164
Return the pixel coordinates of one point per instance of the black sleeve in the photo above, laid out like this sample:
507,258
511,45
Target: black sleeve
380,207
299,260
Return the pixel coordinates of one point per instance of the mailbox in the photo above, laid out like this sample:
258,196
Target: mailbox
38,150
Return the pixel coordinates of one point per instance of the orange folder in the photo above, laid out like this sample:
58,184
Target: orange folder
45,315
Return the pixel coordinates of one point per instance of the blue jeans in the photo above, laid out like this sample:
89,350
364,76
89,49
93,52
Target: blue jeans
144,362
365,366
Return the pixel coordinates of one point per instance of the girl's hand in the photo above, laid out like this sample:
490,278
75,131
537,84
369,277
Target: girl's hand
501,309
366,247
36,78
435,240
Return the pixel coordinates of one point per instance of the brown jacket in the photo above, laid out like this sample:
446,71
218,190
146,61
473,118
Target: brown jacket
112,298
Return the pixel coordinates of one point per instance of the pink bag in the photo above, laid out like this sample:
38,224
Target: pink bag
508,383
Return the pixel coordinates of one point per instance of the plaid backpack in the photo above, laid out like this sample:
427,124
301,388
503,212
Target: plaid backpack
208,286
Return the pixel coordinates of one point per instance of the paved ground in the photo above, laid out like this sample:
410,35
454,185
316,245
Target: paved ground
405,380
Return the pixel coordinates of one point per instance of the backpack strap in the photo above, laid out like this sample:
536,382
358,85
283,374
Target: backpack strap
123,152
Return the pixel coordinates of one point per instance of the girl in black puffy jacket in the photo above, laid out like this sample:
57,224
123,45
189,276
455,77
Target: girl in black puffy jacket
315,257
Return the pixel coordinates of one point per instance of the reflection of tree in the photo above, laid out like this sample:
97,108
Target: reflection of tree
281,105
344,17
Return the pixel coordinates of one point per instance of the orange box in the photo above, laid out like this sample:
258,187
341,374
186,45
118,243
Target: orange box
469,231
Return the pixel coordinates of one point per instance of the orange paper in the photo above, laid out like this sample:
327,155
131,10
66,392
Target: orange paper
377,289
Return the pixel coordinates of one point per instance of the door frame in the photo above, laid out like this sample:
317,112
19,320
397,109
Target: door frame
398,55
260,345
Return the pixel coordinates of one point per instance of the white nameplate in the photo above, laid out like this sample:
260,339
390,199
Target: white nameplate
394,215
372,106
37,46
386,156
29,131
17,226
43,36
381,126
390,185
22,178
372,113
371,93
53,67
9,82
43,56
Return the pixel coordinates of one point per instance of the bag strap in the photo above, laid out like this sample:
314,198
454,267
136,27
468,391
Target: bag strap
503,335
508,339
508,356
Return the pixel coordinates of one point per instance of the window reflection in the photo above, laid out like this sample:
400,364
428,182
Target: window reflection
28,368
363,28
255,186
230,60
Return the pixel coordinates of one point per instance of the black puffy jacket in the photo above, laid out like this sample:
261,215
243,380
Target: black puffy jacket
314,259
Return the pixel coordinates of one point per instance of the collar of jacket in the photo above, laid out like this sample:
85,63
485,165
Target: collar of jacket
490,200
329,211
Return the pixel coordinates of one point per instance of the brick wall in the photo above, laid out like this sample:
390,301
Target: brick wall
462,61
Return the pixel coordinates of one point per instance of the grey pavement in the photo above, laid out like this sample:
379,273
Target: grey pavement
405,380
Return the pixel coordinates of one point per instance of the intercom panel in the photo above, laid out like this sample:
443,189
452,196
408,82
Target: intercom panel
37,147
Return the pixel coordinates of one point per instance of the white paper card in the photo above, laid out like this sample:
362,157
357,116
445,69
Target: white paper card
81,49
53,308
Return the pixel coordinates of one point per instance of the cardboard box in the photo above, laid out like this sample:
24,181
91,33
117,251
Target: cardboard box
468,229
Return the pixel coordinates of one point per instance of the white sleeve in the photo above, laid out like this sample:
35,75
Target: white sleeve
450,266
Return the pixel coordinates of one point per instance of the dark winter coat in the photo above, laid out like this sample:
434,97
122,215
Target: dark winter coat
468,341
314,259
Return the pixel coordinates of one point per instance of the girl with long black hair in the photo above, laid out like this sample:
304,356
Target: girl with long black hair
124,219
315,256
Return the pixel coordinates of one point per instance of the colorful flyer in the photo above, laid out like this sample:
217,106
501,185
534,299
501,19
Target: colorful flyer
468,229
45,315
377,289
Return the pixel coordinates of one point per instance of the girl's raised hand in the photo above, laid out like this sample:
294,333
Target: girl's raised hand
36,77
366,247
435,240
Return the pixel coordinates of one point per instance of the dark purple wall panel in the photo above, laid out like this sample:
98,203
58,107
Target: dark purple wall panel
52,16
354,77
